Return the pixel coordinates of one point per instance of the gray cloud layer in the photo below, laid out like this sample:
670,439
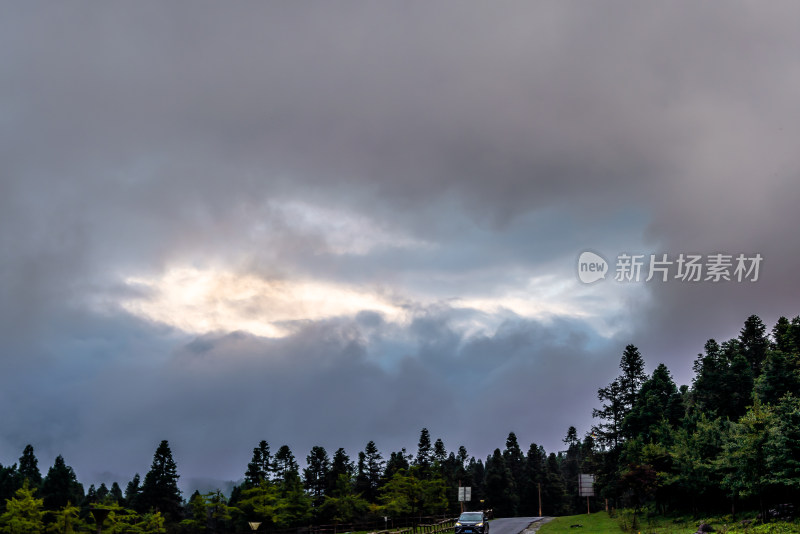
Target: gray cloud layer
507,137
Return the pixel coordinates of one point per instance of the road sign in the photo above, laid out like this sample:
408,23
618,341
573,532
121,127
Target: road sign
464,493
586,485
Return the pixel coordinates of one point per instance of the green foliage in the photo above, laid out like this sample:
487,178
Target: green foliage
260,467
343,504
29,467
66,520
23,513
61,486
209,510
406,494
122,520
160,489
782,449
284,464
315,475
260,503
294,505
744,457
501,491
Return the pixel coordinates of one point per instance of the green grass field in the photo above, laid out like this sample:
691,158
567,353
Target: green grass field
600,522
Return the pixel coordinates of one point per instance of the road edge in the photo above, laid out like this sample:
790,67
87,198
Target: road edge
533,527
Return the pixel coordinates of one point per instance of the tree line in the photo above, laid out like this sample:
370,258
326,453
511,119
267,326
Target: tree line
732,438
729,441
279,494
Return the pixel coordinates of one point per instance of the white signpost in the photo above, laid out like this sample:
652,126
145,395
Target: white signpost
586,488
464,493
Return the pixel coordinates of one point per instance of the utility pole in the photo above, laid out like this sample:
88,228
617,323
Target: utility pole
540,498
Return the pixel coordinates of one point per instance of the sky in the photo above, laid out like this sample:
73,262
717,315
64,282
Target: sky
329,223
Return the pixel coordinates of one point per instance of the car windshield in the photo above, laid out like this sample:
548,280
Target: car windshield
471,516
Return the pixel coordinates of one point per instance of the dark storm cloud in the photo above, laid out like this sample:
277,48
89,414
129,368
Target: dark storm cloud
505,138
216,397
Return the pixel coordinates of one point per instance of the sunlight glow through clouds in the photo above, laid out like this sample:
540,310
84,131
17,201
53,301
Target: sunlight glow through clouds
214,300
218,301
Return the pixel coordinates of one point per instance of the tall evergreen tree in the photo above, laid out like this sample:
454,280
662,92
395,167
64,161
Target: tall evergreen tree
160,488
132,492
658,399
341,466
29,467
316,474
61,486
754,343
10,482
783,448
632,377
535,465
781,338
375,464
611,414
780,376
398,461
501,491
115,493
514,460
424,456
260,466
285,464
554,494
23,513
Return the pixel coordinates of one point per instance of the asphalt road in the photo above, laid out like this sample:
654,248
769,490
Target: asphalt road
510,525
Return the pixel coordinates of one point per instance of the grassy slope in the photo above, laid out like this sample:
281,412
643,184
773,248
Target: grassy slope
601,523
595,523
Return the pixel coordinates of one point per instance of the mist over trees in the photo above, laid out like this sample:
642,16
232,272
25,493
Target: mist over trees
730,439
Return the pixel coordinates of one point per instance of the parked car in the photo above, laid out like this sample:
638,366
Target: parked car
472,523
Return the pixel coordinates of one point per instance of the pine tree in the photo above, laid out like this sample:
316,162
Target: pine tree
658,399
316,474
781,339
754,343
611,414
132,492
260,466
398,461
102,493
341,466
423,459
285,464
374,463
780,376
61,486
535,465
115,493
10,482
23,513
632,377
160,488
782,449
501,492
29,467
514,460
554,493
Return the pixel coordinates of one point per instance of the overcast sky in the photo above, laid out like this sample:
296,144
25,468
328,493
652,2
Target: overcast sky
328,223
